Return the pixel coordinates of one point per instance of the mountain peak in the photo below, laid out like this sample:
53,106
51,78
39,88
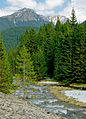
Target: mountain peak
25,10
54,19
28,17
24,15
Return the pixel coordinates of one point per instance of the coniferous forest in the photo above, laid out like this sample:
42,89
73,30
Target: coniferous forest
57,52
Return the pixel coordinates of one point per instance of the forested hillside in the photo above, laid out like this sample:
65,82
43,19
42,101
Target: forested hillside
11,37
84,22
58,52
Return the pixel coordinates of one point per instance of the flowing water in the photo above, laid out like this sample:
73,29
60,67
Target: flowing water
48,101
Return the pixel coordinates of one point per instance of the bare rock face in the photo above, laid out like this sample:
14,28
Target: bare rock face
27,17
24,15
14,108
27,14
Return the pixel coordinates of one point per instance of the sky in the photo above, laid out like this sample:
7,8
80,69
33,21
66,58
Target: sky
46,7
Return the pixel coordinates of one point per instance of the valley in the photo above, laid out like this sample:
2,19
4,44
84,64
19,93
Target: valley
35,49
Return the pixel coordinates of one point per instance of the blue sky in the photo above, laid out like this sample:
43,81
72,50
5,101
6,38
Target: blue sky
46,7
61,7
2,3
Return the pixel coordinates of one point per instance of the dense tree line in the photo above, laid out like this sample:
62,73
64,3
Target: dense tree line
56,51
5,72
11,37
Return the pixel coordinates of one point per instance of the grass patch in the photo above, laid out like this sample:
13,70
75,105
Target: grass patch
58,92
13,88
78,85
8,89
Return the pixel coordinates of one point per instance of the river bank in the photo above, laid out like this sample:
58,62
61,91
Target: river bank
60,93
45,100
64,93
12,107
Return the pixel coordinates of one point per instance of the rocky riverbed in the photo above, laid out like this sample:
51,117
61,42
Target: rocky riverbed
12,107
44,99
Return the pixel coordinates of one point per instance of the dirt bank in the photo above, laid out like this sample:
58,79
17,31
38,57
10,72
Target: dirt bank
58,91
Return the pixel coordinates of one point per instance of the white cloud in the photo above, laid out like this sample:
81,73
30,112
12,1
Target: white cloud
23,3
49,4
45,7
46,12
7,11
80,10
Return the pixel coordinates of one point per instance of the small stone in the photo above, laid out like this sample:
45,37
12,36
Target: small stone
12,107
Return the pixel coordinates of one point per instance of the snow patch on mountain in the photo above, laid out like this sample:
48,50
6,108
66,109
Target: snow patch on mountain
54,19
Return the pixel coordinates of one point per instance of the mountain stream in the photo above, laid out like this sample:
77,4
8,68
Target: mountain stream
49,102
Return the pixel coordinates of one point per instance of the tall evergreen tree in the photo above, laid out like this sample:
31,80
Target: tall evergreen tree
57,61
66,53
33,41
41,35
73,18
80,60
5,75
73,39
49,48
40,64
12,59
25,69
57,52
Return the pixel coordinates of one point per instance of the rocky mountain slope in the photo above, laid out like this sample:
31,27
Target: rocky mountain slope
14,108
23,17
12,26
25,14
27,17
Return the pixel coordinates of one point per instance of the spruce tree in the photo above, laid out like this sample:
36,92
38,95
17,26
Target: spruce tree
74,36
57,68
66,53
80,60
25,69
57,51
49,48
62,60
5,75
12,59
40,64
32,44
73,18
41,35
